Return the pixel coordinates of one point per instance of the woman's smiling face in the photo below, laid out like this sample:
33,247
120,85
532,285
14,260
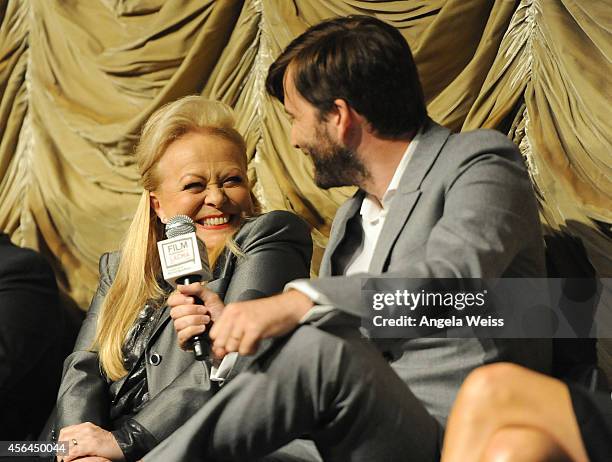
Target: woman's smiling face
203,175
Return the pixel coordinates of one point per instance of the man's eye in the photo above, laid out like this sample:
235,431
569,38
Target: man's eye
233,180
194,185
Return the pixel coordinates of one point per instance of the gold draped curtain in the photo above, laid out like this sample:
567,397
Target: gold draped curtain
79,78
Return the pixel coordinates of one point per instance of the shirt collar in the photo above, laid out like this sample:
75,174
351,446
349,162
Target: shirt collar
370,209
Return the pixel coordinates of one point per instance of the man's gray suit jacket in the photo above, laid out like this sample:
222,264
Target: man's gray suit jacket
465,208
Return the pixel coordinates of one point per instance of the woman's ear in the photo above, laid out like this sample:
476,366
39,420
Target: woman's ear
156,206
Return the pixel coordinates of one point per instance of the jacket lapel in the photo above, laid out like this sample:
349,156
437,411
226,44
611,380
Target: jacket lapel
429,146
344,214
163,320
165,316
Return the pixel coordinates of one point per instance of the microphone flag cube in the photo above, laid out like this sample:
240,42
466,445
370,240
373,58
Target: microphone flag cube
180,256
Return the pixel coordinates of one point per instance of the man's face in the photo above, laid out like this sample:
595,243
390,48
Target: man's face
335,164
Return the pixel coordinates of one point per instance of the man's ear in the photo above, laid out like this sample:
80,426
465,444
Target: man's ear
156,206
343,119
349,124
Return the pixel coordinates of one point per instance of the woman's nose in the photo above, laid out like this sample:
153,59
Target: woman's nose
215,196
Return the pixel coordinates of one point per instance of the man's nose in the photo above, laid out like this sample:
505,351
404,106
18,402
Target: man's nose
215,196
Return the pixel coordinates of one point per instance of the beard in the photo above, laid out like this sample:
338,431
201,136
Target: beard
335,165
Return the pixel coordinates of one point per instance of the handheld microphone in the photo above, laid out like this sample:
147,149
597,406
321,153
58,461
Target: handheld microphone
184,260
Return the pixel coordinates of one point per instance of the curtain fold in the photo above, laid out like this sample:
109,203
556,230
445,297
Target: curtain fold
78,79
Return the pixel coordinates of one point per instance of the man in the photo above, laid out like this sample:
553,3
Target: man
430,205
31,341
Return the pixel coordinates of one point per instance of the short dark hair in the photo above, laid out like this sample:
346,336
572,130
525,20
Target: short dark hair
359,59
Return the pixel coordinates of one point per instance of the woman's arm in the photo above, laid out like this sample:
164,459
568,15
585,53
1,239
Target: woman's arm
277,249
83,394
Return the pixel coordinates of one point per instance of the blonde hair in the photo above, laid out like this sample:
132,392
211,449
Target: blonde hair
136,280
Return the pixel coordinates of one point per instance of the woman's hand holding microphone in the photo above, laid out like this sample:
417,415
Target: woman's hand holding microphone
189,318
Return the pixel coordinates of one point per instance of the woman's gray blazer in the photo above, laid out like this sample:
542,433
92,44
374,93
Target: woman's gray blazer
278,249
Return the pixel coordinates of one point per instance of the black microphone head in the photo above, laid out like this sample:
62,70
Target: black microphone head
179,225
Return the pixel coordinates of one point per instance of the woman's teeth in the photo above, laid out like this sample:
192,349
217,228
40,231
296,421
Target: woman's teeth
216,221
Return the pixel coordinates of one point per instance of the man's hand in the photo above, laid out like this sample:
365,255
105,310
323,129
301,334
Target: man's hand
191,319
87,439
242,325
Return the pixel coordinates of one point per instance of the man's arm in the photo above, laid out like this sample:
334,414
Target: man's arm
489,206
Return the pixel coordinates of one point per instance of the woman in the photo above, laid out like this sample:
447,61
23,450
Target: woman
128,385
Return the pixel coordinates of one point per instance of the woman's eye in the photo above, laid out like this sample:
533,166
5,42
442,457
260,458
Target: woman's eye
233,180
194,185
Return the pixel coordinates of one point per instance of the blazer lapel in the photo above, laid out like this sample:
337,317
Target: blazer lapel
345,213
163,320
429,146
165,316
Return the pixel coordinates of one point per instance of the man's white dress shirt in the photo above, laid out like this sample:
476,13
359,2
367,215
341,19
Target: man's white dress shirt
372,219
